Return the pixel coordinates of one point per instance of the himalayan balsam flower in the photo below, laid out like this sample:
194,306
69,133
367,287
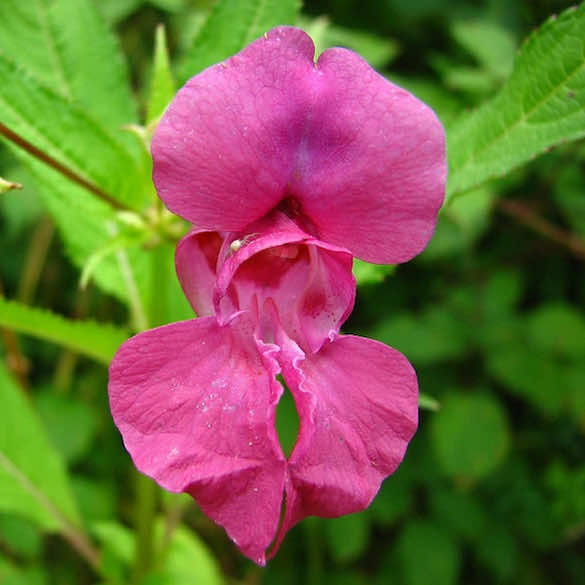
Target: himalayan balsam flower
287,168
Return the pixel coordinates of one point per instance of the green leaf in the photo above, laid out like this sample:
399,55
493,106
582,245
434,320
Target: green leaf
91,339
459,512
187,561
344,549
435,336
15,575
50,39
26,35
115,11
70,423
58,128
20,536
366,273
233,24
394,500
162,86
190,561
96,78
470,435
33,479
541,105
427,555
558,329
492,45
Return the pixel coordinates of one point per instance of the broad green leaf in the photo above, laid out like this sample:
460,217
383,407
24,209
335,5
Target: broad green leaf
58,128
13,574
492,45
26,36
344,549
428,554
542,104
33,479
115,11
97,497
70,423
162,85
231,25
92,62
558,329
88,338
394,501
459,512
20,536
470,435
190,561
66,45
435,336
537,377
187,561
497,550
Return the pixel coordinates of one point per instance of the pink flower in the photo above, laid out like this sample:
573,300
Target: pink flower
288,169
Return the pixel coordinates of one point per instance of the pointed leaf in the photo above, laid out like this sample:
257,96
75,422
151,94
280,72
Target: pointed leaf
51,40
162,87
231,25
33,479
89,338
542,104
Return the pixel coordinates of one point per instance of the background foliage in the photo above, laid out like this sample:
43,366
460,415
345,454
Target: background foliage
492,490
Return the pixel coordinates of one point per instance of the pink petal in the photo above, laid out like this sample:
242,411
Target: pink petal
195,403
358,409
225,148
196,262
361,160
372,167
309,282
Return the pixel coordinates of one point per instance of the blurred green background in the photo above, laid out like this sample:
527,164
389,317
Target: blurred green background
492,490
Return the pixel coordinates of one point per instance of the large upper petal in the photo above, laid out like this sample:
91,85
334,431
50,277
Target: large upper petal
361,160
195,403
358,408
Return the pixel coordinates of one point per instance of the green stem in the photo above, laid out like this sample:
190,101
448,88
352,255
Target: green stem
145,511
